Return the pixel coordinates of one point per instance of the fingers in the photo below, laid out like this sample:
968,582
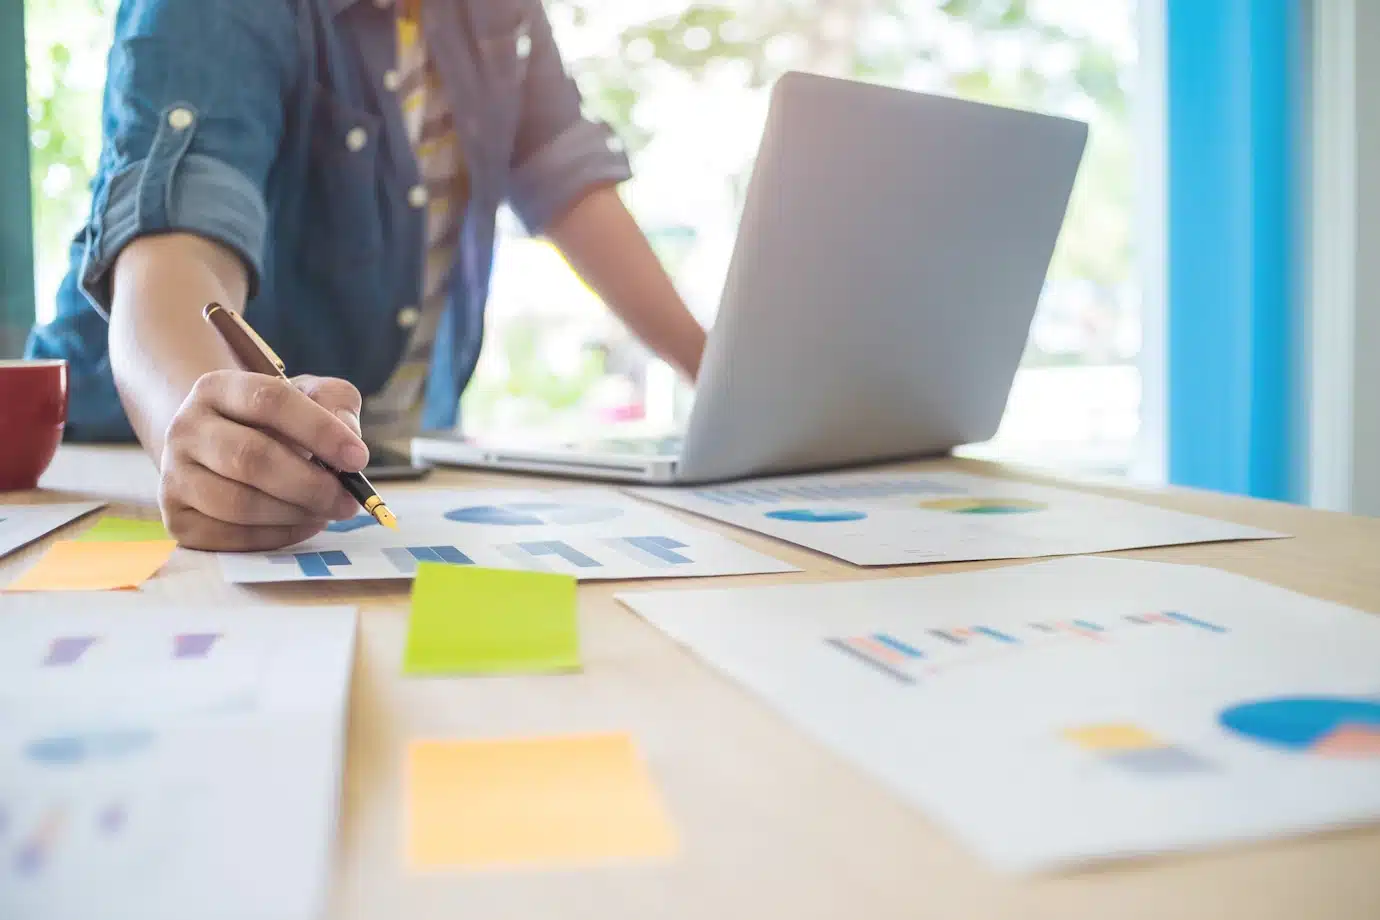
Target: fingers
257,401
339,396
196,530
236,503
253,459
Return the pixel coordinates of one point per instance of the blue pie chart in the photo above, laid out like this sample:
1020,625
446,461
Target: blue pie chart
808,516
1324,725
532,514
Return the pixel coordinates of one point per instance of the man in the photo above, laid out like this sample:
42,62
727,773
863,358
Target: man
332,168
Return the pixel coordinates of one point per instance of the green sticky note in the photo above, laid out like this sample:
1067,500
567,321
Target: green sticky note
468,620
124,530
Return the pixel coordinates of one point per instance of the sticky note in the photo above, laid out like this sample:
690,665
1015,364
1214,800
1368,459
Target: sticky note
1112,738
552,802
124,530
468,620
71,565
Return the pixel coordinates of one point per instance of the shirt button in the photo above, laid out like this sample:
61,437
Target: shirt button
524,46
408,317
355,139
417,196
392,80
181,119
616,145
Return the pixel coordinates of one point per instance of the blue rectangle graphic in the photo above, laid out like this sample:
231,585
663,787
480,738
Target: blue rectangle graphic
562,549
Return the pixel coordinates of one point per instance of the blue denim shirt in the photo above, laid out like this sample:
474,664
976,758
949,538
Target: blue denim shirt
229,119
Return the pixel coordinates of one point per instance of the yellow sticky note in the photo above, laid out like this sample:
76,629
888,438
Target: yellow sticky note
561,801
468,620
1112,738
124,530
71,565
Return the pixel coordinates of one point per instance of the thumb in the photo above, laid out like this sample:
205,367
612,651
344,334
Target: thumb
339,396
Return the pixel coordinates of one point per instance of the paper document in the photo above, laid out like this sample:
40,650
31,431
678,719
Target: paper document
1069,711
166,763
901,519
20,525
588,533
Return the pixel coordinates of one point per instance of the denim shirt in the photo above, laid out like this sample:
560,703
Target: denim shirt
241,121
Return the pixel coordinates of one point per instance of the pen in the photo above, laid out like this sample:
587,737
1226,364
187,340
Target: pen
255,355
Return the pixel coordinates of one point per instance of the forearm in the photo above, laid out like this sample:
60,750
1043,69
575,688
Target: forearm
603,243
159,344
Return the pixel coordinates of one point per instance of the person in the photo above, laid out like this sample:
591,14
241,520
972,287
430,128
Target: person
332,169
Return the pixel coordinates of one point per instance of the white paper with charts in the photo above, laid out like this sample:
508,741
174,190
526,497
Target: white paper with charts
1069,711
901,519
589,533
169,763
20,525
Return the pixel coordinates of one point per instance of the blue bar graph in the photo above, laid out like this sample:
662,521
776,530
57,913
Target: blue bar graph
313,565
1193,621
661,547
1088,625
994,634
562,549
405,558
898,645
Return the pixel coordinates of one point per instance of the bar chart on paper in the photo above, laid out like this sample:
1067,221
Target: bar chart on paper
589,533
897,519
1068,711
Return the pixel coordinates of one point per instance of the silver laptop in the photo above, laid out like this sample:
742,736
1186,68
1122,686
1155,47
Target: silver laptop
891,254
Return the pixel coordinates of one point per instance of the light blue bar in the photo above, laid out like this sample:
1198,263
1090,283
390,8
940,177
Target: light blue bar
1193,621
560,548
660,547
994,634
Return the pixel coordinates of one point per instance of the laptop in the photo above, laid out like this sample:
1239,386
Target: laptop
891,254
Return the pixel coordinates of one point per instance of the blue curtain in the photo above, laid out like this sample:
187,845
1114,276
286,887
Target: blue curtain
1235,70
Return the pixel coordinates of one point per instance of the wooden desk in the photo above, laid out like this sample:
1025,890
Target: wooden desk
773,825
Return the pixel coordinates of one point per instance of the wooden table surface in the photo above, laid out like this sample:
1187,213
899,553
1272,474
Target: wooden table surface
772,824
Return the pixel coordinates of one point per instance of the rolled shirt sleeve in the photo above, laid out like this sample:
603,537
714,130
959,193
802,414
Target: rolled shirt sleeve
193,120
558,154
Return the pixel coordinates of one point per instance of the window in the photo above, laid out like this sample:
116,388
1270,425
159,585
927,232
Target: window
686,85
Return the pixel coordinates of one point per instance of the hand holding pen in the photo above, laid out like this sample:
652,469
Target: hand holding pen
237,473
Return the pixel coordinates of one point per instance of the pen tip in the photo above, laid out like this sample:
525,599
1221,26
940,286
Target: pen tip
385,517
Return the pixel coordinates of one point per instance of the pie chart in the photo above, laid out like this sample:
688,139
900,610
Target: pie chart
1325,726
808,516
983,505
532,514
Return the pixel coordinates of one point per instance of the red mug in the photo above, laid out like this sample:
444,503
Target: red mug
33,413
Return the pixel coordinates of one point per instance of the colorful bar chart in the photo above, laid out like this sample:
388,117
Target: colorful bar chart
68,651
313,565
882,652
843,491
653,552
405,558
194,645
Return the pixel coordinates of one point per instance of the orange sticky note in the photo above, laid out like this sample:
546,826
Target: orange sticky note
72,565
544,802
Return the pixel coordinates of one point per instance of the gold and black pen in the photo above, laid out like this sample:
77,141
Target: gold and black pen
255,355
